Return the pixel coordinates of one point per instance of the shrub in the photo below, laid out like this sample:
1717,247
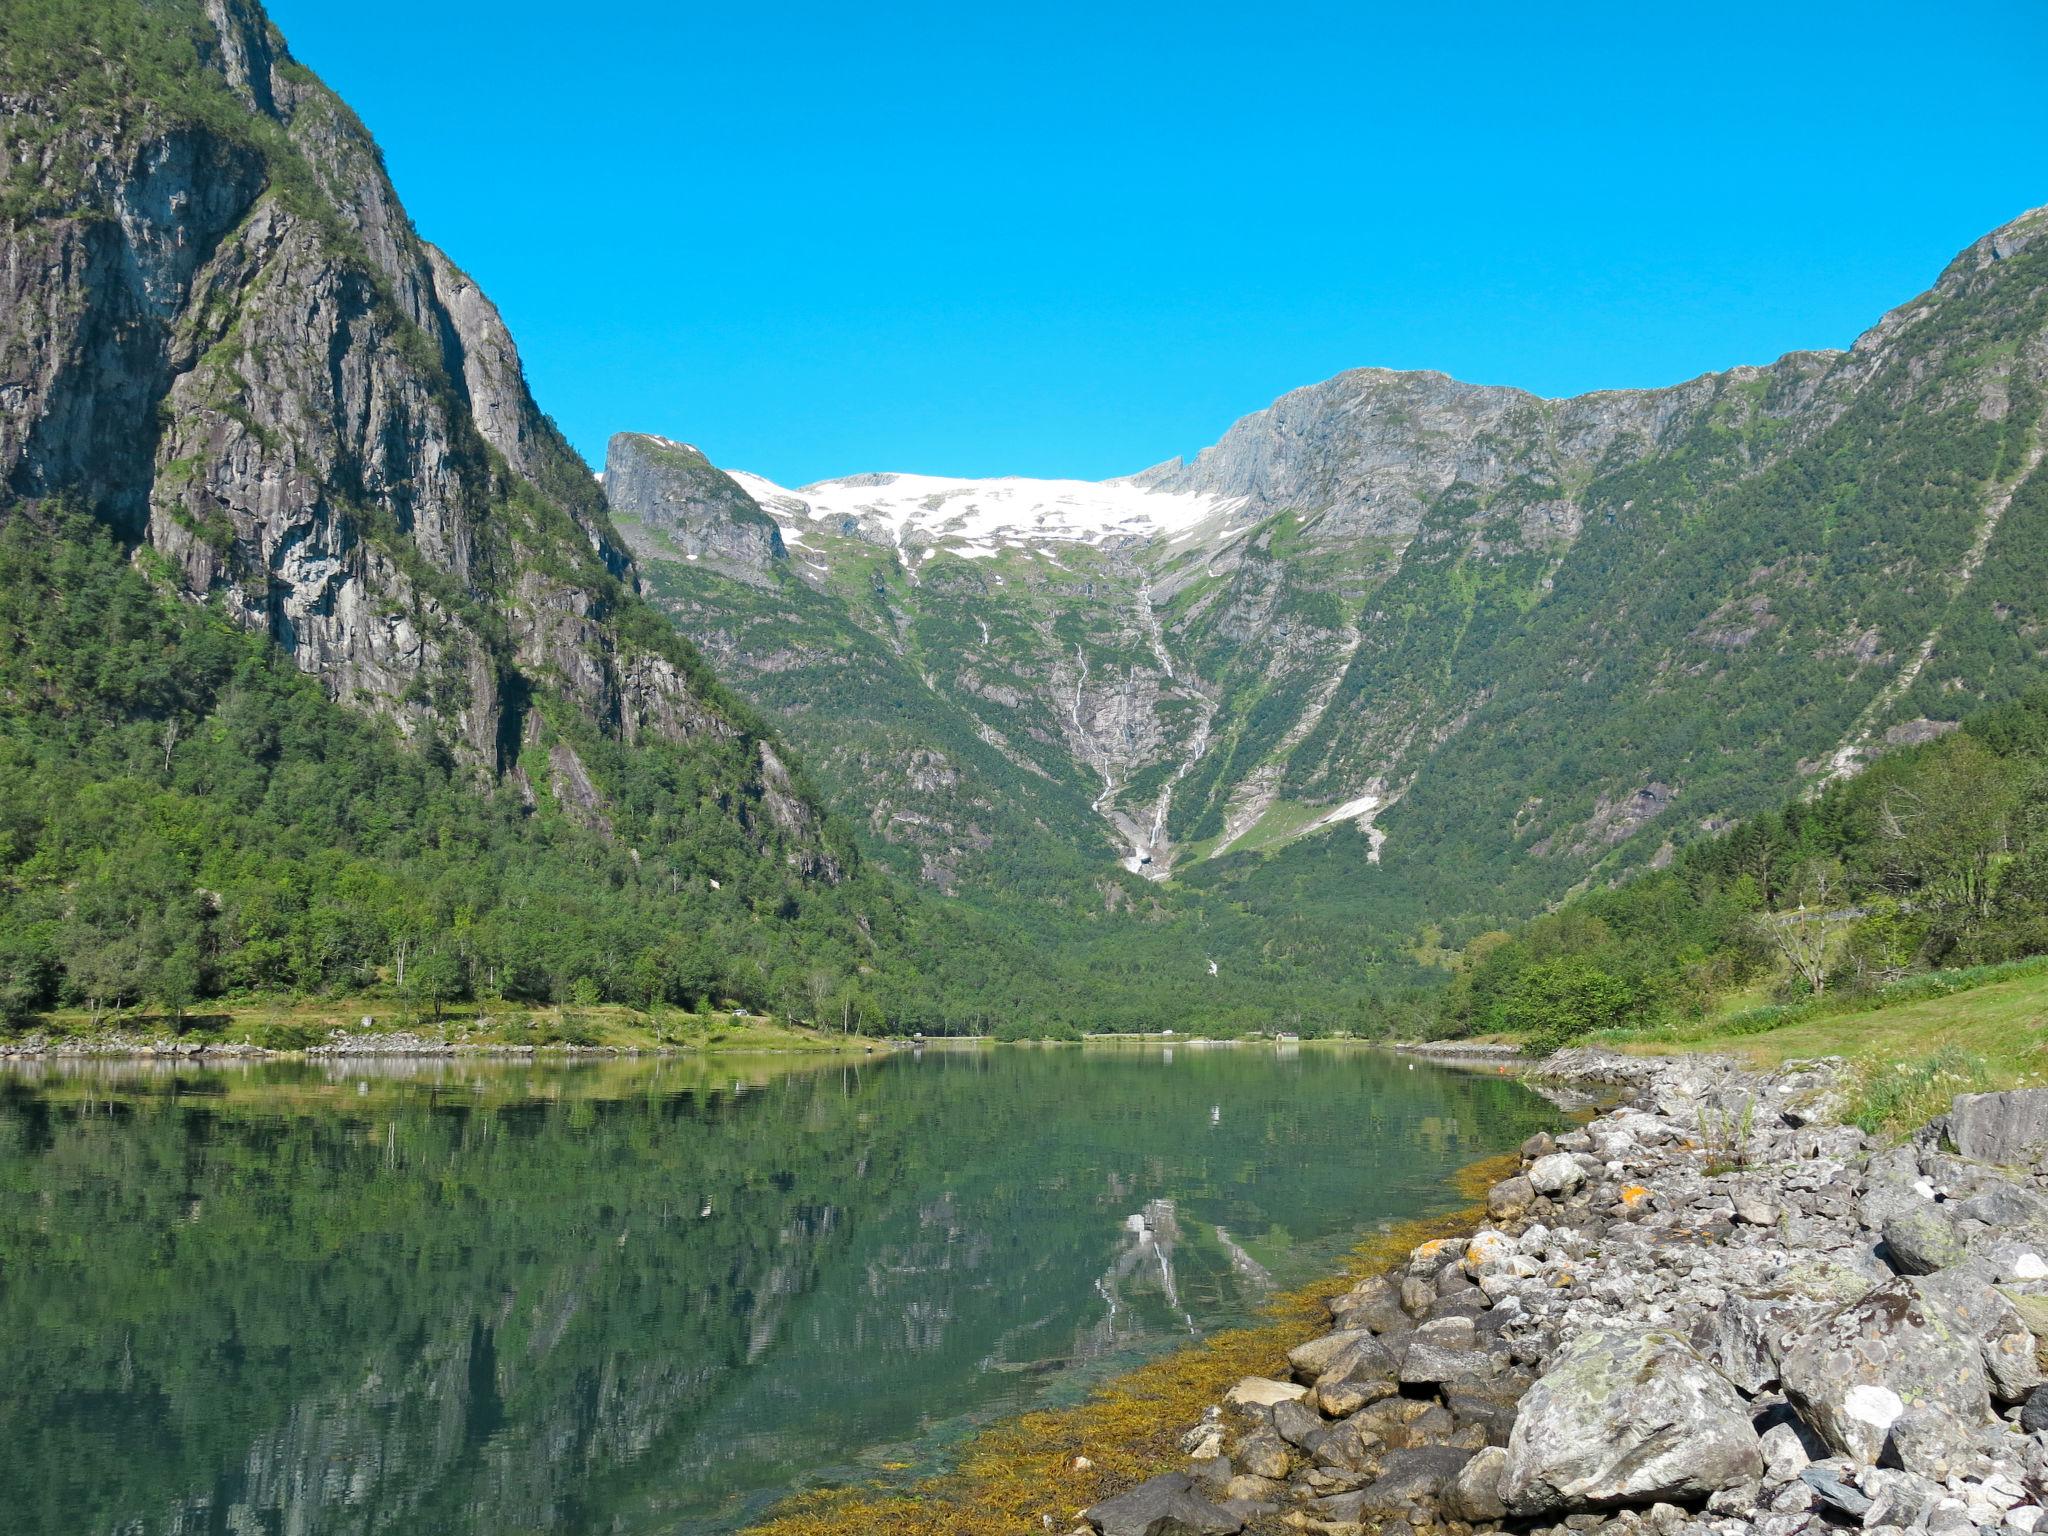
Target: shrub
1895,1099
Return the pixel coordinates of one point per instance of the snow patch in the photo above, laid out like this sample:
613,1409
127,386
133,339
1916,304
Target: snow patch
934,508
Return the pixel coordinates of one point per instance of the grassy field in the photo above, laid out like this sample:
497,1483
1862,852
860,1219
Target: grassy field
297,1025
1912,1055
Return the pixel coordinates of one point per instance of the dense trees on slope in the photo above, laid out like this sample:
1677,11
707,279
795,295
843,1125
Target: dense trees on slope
1936,857
183,815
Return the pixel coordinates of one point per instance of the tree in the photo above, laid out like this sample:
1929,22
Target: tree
1942,828
1805,936
1559,1000
437,976
178,982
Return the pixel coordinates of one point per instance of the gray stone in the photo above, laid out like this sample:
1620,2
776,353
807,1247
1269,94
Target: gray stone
2034,1415
1414,1480
1295,1422
1262,1453
1373,1303
1442,1349
2003,1204
1919,1239
1625,1419
1854,1371
1168,1505
1488,1404
1785,1456
1510,1198
1362,1372
1475,1493
2009,1127
1741,1337
1318,1355
1557,1174
1986,1314
1835,1491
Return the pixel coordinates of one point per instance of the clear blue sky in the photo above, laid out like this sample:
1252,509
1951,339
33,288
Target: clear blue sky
1058,238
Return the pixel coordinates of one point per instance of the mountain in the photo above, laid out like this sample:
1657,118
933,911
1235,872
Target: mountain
1411,650
251,418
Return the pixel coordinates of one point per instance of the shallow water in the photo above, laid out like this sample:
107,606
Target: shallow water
643,1296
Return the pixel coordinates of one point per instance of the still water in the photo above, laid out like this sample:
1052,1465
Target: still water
643,1297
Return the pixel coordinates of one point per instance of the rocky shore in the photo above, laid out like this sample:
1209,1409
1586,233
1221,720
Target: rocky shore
1715,1310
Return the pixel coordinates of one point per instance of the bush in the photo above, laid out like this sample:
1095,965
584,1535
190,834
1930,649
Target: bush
1906,1095
1014,1030
285,1035
1554,1003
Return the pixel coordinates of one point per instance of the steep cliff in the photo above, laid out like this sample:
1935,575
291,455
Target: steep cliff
322,667
224,338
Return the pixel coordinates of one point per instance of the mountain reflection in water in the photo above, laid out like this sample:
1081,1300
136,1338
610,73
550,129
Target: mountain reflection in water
641,1297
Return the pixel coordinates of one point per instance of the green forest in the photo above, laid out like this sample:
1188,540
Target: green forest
1932,862
185,819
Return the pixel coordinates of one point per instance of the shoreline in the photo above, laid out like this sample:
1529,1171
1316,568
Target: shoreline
408,1045
1711,1310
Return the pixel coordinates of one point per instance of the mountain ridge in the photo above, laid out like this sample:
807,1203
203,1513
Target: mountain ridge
1386,528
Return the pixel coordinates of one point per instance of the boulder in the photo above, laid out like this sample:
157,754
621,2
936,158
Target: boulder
1835,1490
1557,1174
1262,1453
1475,1493
1262,1392
2034,1415
1373,1303
2003,1204
1741,1337
1510,1198
2007,1127
1854,1371
1362,1372
1627,1419
1489,1405
1310,1360
1919,1239
1168,1505
1296,1422
1417,1479
1785,1456
1443,1349
1982,1312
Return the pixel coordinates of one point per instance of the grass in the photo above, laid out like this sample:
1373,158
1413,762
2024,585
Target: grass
1016,1475
1912,1053
294,1026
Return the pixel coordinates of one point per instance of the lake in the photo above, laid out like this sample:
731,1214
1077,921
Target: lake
644,1296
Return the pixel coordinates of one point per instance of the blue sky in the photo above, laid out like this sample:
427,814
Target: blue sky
1076,239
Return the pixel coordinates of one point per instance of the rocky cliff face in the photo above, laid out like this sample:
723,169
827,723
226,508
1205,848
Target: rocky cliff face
674,504
1526,638
225,337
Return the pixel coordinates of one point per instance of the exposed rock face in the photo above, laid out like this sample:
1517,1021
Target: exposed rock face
672,503
1620,1419
226,339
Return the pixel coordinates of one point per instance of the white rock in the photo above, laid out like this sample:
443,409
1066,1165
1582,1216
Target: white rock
1263,1392
1879,1407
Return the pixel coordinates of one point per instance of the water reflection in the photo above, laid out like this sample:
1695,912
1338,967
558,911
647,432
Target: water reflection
638,1296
